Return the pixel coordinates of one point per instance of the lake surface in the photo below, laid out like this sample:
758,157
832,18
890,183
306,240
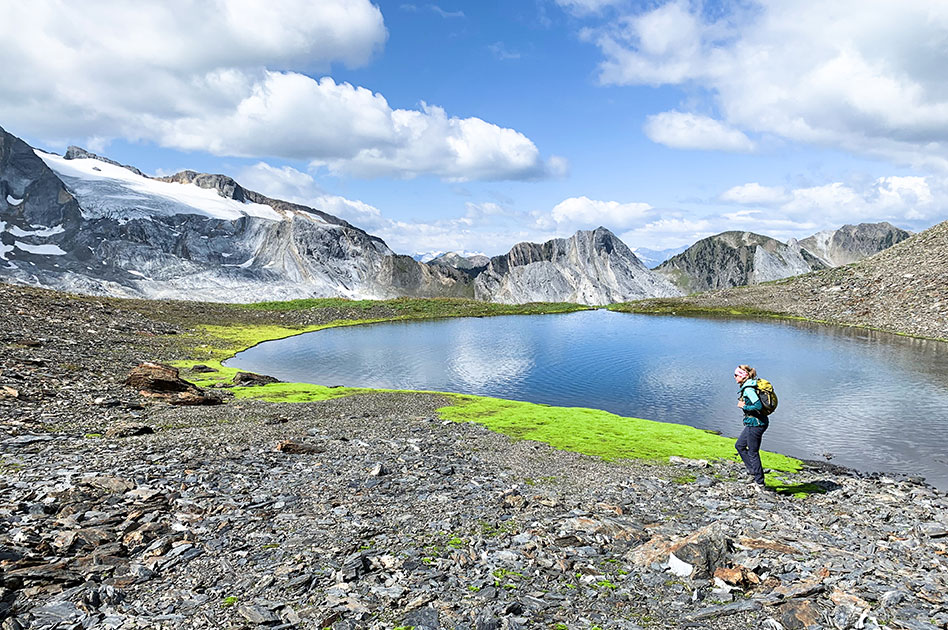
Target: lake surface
869,400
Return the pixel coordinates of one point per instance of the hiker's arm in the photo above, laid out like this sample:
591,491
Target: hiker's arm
751,400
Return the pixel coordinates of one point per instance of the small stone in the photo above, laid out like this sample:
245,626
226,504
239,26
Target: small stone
679,567
690,463
379,470
128,429
298,448
250,379
257,614
200,368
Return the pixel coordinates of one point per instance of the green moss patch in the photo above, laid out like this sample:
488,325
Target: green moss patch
599,433
298,392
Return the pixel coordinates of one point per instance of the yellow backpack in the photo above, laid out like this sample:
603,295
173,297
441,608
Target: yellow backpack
767,395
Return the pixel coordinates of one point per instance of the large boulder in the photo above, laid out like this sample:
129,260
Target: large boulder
161,382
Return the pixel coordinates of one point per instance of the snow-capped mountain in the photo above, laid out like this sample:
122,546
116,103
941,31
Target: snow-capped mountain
86,224
652,258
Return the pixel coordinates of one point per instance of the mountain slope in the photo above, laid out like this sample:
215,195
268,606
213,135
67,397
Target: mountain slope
84,223
591,267
734,259
851,242
902,289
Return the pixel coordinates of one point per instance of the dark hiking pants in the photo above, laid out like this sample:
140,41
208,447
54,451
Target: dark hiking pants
748,447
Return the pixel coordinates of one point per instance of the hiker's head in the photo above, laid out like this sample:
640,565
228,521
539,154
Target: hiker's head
744,372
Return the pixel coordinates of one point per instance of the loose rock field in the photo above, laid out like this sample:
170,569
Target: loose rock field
117,511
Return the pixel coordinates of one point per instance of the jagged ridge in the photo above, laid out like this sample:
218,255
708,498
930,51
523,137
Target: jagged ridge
591,267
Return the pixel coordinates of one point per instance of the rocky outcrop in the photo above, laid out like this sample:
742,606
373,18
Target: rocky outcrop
851,243
78,153
733,259
591,267
35,206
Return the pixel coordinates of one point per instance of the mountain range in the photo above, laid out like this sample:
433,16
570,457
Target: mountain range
87,224
732,259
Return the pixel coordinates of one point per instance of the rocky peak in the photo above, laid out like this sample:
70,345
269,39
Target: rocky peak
78,153
224,185
30,193
734,259
591,267
851,243
471,265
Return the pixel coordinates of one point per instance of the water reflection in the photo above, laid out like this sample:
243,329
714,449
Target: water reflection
854,394
483,364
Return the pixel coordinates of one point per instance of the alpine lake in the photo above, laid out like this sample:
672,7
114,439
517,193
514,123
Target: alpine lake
867,400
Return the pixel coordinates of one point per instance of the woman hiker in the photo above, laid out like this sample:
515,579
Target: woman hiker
755,423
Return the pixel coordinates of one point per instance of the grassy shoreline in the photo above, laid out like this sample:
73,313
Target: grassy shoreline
680,307
589,431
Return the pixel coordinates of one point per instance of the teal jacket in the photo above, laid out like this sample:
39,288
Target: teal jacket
754,415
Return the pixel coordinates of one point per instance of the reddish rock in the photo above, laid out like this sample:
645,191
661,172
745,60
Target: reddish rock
801,613
161,382
737,576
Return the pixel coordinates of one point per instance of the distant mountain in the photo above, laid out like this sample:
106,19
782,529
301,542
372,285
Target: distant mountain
469,264
652,258
87,224
851,243
903,288
733,259
591,267
426,256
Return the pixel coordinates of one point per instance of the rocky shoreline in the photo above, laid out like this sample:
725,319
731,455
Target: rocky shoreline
371,512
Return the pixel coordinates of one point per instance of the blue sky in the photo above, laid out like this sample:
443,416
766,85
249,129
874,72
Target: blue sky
474,125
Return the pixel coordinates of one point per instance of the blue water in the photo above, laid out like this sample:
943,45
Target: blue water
867,400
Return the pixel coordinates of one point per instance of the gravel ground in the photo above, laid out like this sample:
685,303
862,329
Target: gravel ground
370,512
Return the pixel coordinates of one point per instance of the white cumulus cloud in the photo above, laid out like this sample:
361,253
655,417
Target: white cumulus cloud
857,75
232,78
583,213
754,193
681,130
898,199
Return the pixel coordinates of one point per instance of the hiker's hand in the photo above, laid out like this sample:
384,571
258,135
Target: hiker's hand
740,403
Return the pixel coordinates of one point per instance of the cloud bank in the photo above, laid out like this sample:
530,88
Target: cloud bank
233,78
859,75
